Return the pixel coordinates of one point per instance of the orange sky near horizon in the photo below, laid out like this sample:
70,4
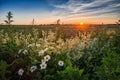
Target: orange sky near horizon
26,19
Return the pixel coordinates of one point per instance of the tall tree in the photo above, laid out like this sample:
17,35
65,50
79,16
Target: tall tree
9,18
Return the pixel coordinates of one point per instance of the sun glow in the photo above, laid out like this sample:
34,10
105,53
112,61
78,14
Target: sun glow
82,26
81,23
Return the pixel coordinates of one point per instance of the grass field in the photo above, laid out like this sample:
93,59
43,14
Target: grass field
59,53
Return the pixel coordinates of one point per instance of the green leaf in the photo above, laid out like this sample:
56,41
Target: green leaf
3,69
81,71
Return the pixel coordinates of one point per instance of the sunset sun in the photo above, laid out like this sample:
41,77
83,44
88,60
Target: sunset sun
81,23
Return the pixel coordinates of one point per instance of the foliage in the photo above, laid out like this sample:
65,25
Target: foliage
70,72
110,68
46,55
9,16
3,70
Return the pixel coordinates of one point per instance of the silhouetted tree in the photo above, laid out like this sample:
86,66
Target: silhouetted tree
58,22
9,18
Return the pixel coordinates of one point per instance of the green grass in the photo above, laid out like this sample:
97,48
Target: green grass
91,54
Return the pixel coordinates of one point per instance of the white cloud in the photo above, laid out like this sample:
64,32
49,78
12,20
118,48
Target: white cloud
76,6
75,9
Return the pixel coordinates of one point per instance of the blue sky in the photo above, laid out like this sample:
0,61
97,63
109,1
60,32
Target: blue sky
69,11
25,5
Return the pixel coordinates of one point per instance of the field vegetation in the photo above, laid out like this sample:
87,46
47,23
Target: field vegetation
58,52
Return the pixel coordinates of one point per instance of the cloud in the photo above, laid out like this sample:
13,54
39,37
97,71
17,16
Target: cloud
87,8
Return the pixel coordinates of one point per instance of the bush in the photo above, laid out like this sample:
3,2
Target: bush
110,68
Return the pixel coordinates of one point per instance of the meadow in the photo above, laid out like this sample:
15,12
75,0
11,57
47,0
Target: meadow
55,52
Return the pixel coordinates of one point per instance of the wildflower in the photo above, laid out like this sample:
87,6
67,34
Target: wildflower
45,49
58,52
41,52
25,51
41,39
60,63
43,66
33,68
20,72
52,48
30,45
38,45
19,51
95,39
47,58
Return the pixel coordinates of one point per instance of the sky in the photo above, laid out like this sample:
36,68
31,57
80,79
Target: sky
68,11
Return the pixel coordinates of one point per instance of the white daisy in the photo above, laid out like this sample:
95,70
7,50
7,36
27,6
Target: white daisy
33,68
43,66
47,58
20,72
25,51
60,63
19,51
